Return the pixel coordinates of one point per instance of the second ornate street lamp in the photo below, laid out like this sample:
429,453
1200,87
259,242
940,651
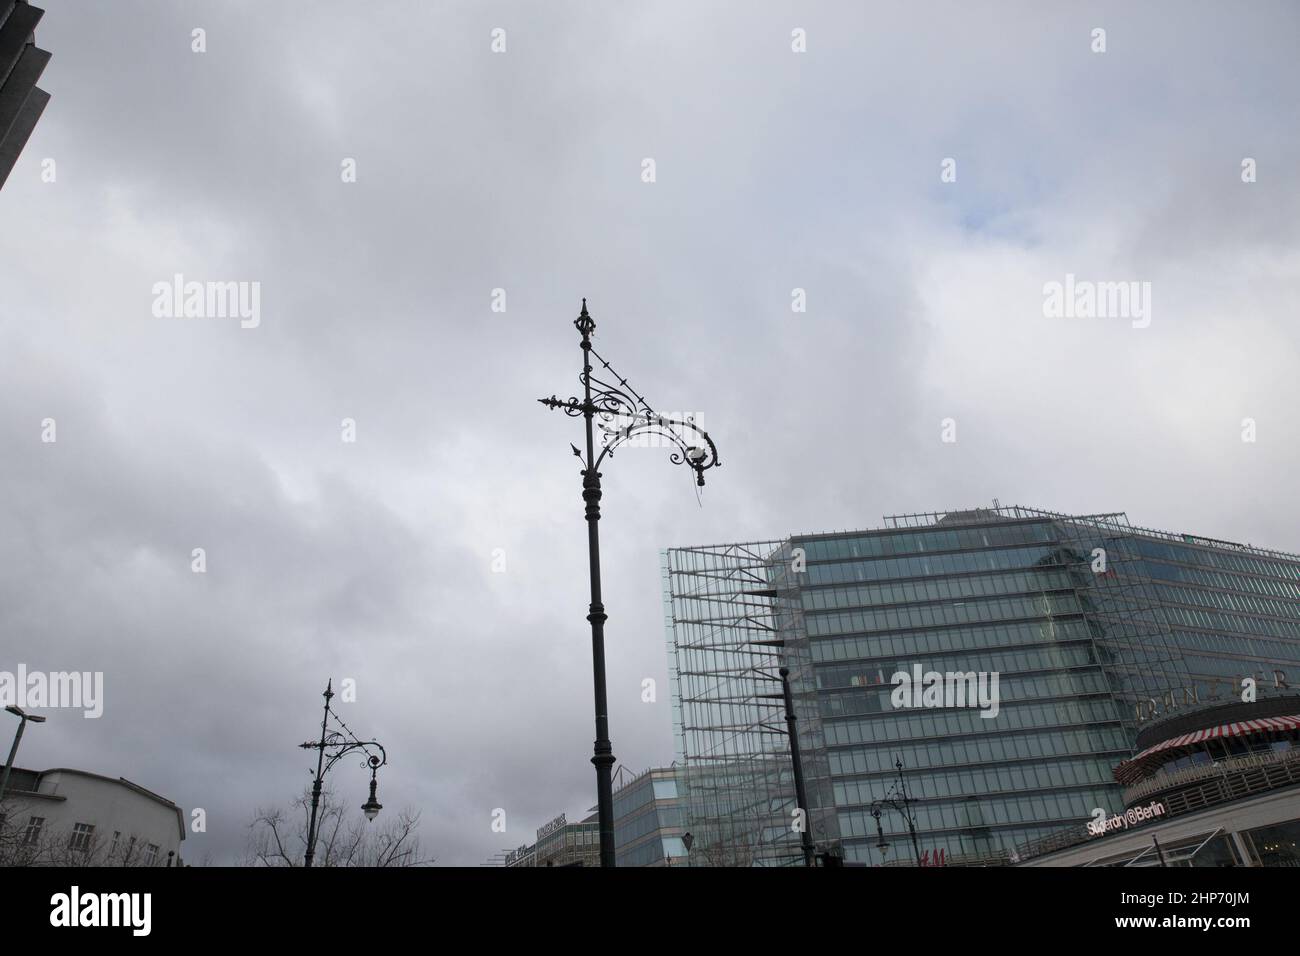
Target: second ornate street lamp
337,743
898,801
613,407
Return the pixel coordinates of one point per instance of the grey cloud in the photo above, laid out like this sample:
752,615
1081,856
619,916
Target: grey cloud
520,171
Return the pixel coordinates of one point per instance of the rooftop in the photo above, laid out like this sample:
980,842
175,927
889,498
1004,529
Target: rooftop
963,517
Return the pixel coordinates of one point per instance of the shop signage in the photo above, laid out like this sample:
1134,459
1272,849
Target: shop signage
559,823
1224,689
1102,824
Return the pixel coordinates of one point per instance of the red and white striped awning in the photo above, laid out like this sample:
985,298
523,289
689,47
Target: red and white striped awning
1129,768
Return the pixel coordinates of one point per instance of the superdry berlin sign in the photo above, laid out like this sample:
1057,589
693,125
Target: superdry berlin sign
1103,824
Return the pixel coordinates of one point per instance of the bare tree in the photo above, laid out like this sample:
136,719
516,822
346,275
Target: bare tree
278,836
728,854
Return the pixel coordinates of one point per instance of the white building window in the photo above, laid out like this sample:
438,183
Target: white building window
82,835
151,854
33,832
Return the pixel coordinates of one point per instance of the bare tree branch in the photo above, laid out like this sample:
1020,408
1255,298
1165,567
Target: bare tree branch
344,837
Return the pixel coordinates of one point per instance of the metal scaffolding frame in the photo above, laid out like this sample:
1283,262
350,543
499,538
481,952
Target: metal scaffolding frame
1132,636
733,616
729,616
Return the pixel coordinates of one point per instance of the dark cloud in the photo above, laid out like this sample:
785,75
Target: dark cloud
775,171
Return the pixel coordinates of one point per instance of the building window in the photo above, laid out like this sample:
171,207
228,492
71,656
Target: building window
1276,845
117,840
151,854
33,832
82,835
665,789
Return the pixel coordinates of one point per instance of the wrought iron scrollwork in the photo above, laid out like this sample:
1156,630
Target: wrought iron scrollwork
338,745
622,414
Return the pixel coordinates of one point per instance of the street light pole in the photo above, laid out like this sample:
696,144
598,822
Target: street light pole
898,801
805,836
907,810
603,756
619,412
320,773
23,717
338,744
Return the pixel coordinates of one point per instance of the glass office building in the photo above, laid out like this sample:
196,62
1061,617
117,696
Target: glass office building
1080,628
648,827
561,843
649,819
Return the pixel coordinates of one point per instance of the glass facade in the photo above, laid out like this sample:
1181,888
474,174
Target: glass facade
648,827
561,843
1083,627
1277,845
649,820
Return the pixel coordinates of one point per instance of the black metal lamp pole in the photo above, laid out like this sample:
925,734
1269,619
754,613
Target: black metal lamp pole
805,837
23,717
898,801
320,773
619,413
907,810
333,745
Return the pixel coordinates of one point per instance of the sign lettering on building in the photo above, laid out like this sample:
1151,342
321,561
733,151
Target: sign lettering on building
559,823
1122,821
1224,689
514,856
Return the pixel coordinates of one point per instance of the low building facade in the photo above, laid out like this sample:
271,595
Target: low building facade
1219,786
649,826
66,817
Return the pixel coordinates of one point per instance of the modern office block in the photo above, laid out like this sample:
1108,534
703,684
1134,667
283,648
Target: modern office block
1056,639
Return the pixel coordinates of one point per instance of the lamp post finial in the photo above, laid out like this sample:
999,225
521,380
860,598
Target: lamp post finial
584,323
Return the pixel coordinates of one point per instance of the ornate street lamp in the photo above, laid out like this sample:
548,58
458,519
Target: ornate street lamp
372,806
619,413
898,801
333,745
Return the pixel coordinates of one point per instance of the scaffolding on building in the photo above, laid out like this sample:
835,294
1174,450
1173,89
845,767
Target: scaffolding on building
734,617
1132,636
728,616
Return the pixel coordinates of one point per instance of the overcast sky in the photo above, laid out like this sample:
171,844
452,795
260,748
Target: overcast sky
773,170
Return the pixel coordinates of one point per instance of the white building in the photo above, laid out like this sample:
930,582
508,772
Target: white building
70,817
